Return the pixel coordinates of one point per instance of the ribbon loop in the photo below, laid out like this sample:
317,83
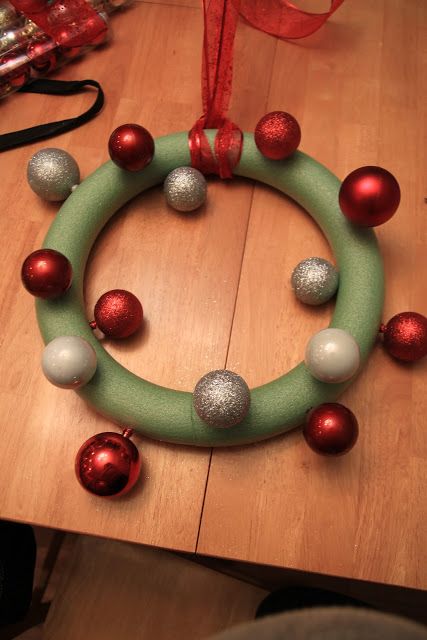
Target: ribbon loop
277,17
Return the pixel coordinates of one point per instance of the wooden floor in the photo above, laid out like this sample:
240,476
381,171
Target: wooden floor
215,290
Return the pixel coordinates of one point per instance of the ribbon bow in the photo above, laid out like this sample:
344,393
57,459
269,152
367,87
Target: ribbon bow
276,17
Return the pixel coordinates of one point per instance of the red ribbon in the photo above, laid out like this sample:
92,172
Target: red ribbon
277,17
70,23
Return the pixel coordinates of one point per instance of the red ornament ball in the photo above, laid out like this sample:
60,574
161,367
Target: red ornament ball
69,53
108,464
118,313
131,147
277,135
31,6
46,273
41,53
15,68
405,336
369,196
331,429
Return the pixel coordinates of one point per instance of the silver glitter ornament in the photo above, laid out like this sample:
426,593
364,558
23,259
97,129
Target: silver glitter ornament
221,398
314,281
185,189
52,173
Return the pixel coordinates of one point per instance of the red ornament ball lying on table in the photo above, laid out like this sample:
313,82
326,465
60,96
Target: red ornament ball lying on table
331,429
131,147
277,135
405,336
46,273
108,464
118,313
369,196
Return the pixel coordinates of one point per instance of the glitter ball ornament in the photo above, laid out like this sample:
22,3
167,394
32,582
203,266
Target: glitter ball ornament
369,196
131,147
332,355
185,189
108,464
405,336
221,398
69,362
118,313
46,273
277,135
331,429
52,173
314,281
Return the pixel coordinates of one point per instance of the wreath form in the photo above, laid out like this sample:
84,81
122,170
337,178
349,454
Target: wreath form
168,415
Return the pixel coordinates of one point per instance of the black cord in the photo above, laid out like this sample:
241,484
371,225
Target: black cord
43,131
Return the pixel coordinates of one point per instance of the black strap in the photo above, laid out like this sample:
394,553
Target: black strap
43,131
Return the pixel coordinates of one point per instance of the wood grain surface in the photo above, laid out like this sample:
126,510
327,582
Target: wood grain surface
215,289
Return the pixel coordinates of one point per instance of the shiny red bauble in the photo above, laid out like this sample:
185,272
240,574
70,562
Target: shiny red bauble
405,336
31,6
46,273
108,464
131,147
277,135
118,313
42,55
331,429
15,68
369,196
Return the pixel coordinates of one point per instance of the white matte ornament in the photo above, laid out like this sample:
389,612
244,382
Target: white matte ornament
69,362
332,355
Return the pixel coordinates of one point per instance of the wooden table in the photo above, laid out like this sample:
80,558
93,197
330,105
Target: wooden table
215,289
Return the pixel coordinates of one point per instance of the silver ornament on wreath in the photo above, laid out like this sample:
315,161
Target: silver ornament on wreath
185,189
52,174
221,398
314,281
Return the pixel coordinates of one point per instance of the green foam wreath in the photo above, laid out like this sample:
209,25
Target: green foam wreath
169,415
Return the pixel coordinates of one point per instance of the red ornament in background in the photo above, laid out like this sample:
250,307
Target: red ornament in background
31,6
331,429
108,464
17,70
277,135
369,196
131,147
41,53
70,52
46,273
405,336
118,313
